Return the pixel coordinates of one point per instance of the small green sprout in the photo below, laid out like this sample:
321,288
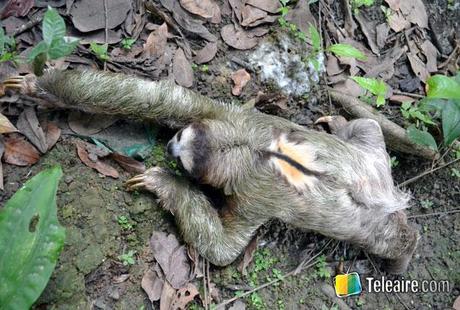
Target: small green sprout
124,222
100,50
128,258
127,43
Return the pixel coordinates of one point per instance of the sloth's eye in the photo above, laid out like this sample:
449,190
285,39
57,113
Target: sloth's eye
179,135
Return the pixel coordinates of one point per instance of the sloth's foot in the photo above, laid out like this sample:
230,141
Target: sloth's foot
333,122
24,84
149,180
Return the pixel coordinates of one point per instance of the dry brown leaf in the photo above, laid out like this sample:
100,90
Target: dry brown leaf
216,14
156,42
87,124
332,66
167,296
248,255
251,14
52,134
29,126
382,31
237,7
397,22
415,12
431,54
19,152
368,27
350,87
203,8
5,125
238,39
238,305
91,160
184,296
129,164
270,6
301,16
401,98
16,8
240,78
418,67
152,284
172,258
182,69
456,305
121,278
206,54
393,4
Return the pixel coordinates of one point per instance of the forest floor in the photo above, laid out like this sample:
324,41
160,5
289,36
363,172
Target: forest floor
104,221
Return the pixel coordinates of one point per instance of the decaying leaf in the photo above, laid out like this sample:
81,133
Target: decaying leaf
184,296
248,256
156,42
172,258
91,159
251,14
240,78
5,125
167,296
415,12
16,8
397,22
29,126
382,31
52,134
393,4
203,8
418,67
152,283
182,69
238,39
271,6
206,54
368,27
129,164
431,54
19,152
87,124
237,7
238,305
301,16
121,278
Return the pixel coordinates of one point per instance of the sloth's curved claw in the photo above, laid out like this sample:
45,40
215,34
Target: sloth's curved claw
333,122
14,82
147,180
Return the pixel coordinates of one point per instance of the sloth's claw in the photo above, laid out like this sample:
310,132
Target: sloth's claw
334,122
147,180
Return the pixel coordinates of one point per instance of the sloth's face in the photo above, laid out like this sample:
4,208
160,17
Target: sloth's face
190,148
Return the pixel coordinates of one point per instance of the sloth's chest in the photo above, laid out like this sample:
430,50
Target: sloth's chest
294,162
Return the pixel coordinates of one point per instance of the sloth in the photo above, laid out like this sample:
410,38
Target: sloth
266,167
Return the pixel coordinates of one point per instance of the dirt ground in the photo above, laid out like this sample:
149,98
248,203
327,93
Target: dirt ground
88,272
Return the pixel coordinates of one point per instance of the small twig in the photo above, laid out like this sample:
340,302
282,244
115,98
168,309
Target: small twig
451,56
304,264
412,180
434,214
30,24
106,30
408,94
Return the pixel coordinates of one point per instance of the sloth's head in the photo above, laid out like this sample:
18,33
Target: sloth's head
190,147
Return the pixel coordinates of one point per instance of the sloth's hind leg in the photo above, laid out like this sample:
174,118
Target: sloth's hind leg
219,239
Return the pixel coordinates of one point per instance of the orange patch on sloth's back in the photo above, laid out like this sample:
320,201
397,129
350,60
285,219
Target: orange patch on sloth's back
298,152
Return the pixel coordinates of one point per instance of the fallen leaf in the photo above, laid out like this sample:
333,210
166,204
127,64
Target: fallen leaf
240,78
19,152
238,39
251,14
350,87
91,160
456,305
129,164
237,7
203,8
238,305
206,54
87,124
172,258
121,278
431,54
382,31
5,125
248,256
216,14
393,4
18,8
52,134
397,22
152,284
272,103
167,296
415,12
418,67
2,150
368,27
332,66
301,16
401,98
184,296
29,126
156,42
270,6
182,69
266,20
88,15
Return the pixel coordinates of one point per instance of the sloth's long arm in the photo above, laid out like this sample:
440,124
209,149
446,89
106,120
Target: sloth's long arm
219,239
108,93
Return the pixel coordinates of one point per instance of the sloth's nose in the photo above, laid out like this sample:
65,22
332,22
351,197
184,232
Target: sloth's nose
169,148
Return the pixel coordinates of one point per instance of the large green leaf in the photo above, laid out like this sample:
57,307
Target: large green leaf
53,26
346,50
30,240
421,137
40,48
62,47
315,37
451,121
441,86
376,87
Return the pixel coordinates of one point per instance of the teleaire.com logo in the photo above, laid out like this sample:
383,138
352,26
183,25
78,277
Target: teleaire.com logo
350,284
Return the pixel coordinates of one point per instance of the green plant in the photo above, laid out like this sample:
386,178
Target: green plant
31,240
321,267
127,43
374,86
7,48
281,305
394,162
256,301
455,172
426,204
128,258
100,50
413,112
356,4
54,45
124,223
